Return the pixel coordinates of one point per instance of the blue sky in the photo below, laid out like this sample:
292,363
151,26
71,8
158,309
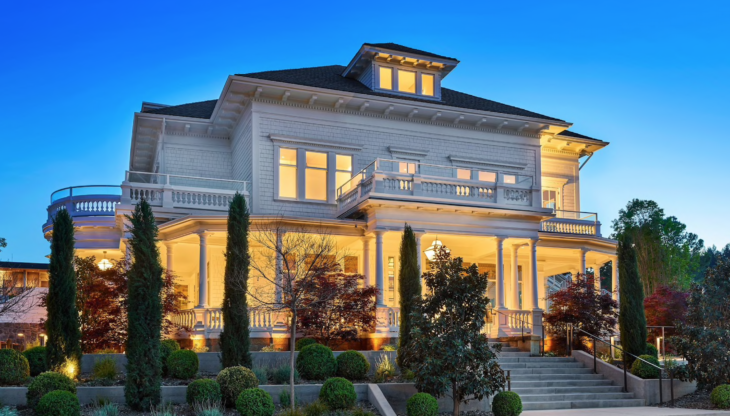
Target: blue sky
650,77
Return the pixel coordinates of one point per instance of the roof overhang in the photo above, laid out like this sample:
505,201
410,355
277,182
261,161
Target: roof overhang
369,53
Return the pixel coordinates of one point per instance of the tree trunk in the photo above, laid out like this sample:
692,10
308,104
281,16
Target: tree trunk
457,401
292,347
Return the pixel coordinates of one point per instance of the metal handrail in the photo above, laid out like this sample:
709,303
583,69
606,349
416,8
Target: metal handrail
624,352
182,176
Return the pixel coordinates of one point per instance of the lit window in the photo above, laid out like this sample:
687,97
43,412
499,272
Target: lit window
316,176
287,173
406,81
509,179
463,173
427,84
386,78
550,198
487,176
351,264
344,172
406,167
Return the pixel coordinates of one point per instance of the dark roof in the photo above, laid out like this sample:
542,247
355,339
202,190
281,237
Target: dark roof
577,135
22,265
201,109
406,49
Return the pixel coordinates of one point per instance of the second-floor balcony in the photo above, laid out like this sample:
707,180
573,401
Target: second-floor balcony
573,222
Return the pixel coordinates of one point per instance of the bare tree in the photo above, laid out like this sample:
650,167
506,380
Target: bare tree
17,295
289,259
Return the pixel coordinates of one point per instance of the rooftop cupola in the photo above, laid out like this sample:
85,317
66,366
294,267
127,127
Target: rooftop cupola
395,69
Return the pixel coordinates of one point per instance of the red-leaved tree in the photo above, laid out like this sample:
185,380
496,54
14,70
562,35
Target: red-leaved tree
665,307
335,309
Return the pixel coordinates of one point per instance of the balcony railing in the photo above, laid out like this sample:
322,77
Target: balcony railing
179,191
573,222
85,201
423,182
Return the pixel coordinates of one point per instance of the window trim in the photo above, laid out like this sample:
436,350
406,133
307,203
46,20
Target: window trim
395,82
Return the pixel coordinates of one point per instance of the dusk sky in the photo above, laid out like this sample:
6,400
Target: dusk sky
650,77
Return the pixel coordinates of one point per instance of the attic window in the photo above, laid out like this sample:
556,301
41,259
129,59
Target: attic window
386,78
407,81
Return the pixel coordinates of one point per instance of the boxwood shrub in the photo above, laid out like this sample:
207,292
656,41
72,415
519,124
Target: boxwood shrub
58,403
644,370
422,404
14,368
45,383
720,396
506,403
183,364
338,393
36,357
280,374
352,365
652,350
203,391
234,380
316,362
303,342
255,402
167,347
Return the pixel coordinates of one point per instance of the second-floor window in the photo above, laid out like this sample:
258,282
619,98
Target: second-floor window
316,176
312,175
551,198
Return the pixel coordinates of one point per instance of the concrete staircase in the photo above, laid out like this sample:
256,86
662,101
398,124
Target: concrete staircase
548,383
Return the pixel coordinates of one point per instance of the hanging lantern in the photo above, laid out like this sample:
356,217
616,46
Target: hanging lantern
105,264
435,246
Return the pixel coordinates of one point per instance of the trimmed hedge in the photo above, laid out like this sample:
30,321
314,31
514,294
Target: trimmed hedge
14,367
37,360
234,380
183,364
316,362
506,403
280,375
203,391
652,350
59,403
644,370
352,365
167,347
338,393
255,402
422,404
46,383
720,396
304,342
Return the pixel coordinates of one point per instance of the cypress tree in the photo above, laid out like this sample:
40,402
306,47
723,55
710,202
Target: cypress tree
62,324
144,309
632,322
235,343
409,288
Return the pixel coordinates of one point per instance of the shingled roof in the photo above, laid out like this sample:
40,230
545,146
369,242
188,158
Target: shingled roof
406,49
576,135
200,109
23,265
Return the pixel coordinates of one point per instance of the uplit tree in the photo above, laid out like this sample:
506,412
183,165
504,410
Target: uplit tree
632,321
409,288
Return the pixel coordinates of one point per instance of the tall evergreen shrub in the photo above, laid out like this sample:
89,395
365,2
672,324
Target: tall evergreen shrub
62,324
409,287
632,321
144,280
235,343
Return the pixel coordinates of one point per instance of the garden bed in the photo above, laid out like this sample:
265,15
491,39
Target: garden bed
700,399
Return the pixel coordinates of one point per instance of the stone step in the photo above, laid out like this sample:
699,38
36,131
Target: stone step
583,404
553,370
555,377
513,354
540,364
601,382
550,388
535,360
574,397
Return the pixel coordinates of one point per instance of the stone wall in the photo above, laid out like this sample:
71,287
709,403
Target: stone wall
30,334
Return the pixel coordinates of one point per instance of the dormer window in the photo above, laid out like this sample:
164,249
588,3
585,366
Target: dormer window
406,81
427,84
386,78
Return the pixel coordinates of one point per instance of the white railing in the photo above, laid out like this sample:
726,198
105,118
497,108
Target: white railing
387,319
518,319
209,321
436,183
573,222
85,201
185,319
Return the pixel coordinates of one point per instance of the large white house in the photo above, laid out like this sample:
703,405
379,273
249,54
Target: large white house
359,150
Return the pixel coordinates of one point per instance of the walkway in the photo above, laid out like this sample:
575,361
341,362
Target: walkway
626,411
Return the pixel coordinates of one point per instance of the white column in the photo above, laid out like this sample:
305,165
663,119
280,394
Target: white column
534,302
203,271
168,246
614,277
279,267
583,254
366,261
500,272
515,294
420,254
379,278
597,276
25,279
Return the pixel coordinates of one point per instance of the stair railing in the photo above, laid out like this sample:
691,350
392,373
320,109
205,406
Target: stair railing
527,324
571,335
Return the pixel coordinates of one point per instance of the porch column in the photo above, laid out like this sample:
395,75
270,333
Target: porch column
420,255
25,279
500,272
168,246
279,266
366,261
597,276
614,278
379,279
534,303
515,294
203,271
583,254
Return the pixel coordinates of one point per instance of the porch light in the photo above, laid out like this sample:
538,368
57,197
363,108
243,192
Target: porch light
431,251
105,264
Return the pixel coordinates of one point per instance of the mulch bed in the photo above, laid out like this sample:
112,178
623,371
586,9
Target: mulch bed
697,400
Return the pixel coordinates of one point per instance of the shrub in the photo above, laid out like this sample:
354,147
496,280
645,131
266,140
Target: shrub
58,403
291,412
316,362
316,408
361,412
262,374
387,347
37,361
644,370
384,369
338,393
652,350
352,365
270,348
203,391
234,380
280,374
304,342
105,369
14,368
285,398
422,404
46,383
720,396
183,364
506,403
167,347
207,409
255,402
106,409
